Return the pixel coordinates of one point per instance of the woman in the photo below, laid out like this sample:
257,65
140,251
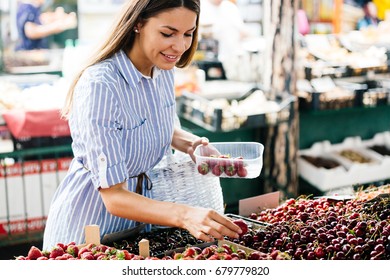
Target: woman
34,27
121,112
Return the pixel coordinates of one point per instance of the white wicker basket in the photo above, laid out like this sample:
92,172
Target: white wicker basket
176,179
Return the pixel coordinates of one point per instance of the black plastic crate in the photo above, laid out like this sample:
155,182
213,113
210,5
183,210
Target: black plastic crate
206,115
21,144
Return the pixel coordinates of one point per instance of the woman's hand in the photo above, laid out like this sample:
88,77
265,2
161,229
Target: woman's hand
207,224
187,142
200,141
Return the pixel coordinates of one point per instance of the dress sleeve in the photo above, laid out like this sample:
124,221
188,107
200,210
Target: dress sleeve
101,132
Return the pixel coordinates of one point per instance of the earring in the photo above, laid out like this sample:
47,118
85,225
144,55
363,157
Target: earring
136,30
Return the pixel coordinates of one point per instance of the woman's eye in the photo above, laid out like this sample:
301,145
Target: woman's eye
188,35
166,35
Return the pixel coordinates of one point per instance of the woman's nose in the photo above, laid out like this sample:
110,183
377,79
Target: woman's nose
180,45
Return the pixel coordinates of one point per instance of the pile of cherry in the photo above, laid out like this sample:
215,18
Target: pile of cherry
323,229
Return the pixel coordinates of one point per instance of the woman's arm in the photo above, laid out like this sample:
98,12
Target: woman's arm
50,27
200,222
186,142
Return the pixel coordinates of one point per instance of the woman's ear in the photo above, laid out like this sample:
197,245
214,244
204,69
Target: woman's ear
138,27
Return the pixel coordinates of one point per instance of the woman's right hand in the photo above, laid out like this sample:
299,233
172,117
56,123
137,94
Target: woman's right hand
207,224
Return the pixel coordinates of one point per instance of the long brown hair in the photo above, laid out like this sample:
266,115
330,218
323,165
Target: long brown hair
122,35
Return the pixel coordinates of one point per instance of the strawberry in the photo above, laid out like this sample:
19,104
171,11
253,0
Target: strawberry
57,251
212,161
62,245
151,258
177,256
218,170
242,224
98,255
223,162
242,172
43,258
72,250
189,252
203,168
46,253
128,255
120,254
238,162
226,257
87,256
200,257
34,253
90,246
138,257
20,258
83,250
230,170
101,248
110,251
213,257
102,257
224,156
67,256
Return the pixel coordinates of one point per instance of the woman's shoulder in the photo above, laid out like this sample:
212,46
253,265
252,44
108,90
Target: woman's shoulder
24,8
103,71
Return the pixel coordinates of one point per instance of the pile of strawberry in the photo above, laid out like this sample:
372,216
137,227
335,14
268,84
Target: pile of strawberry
72,252
219,165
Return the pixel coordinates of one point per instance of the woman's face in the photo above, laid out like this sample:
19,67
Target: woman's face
163,39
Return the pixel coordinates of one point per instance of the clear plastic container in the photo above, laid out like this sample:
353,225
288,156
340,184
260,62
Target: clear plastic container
230,159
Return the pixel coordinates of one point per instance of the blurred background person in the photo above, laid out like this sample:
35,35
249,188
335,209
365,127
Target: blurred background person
34,26
223,21
370,18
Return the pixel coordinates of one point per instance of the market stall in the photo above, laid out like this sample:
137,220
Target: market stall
321,111
338,227
344,99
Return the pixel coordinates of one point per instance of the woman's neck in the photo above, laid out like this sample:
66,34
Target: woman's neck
139,62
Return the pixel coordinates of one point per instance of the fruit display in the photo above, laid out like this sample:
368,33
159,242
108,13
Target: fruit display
102,252
324,229
303,228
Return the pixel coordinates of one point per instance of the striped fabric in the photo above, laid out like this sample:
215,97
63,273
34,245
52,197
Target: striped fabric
121,125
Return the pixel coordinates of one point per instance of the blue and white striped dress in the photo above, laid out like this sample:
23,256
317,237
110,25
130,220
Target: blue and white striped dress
121,125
